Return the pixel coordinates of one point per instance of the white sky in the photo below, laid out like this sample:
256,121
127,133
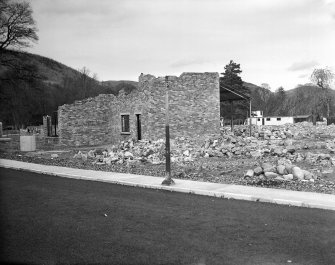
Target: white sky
278,42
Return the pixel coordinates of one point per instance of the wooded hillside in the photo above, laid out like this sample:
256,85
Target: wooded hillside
33,86
298,101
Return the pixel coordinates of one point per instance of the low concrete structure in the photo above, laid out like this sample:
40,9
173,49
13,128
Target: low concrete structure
258,119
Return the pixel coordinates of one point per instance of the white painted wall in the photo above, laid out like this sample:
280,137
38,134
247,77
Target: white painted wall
275,121
270,120
257,113
254,121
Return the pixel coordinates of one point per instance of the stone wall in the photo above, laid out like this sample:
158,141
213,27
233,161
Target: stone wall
97,121
194,111
194,104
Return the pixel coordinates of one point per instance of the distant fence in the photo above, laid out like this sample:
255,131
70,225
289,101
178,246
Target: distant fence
235,122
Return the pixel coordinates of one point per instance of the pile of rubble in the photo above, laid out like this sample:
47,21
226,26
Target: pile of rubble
127,152
282,171
299,130
277,141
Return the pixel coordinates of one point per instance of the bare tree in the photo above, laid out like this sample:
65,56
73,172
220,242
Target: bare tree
88,82
17,26
84,77
323,77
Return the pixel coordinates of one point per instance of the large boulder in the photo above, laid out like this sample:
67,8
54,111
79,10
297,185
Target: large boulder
308,175
281,169
288,177
279,179
249,174
298,173
288,168
290,149
267,167
271,175
278,151
258,171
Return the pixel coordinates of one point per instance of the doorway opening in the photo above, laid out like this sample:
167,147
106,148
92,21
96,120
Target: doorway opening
138,125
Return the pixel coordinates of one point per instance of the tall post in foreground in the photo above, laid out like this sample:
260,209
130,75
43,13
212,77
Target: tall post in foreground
168,180
232,115
250,126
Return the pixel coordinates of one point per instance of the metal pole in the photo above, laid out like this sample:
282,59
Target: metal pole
250,126
168,180
232,115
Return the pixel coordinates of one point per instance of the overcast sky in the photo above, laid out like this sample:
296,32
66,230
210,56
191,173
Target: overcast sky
278,42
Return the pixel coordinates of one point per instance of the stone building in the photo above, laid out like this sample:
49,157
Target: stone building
194,111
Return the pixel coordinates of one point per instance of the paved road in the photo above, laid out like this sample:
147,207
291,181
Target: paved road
50,220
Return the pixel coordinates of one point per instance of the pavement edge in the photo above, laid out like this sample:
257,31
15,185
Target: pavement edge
217,194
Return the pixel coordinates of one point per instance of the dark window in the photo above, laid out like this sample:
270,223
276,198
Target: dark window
258,119
268,119
278,119
125,123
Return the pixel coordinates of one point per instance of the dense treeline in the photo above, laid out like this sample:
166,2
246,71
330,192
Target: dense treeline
310,99
33,86
299,101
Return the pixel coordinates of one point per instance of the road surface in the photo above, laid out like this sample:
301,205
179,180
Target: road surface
50,220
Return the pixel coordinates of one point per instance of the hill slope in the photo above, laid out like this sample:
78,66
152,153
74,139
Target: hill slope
33,86
48,69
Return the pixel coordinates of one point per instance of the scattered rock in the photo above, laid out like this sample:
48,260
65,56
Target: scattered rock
298,174
308,175
270,175
249,174
290,149
255,154
288,177
288,168
281,169
127,154
267,167
258,171
279,178
91,154
277,151
84,157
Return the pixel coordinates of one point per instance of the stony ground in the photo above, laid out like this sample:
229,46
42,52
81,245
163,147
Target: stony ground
222,160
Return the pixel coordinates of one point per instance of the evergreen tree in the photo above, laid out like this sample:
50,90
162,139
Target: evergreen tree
232,80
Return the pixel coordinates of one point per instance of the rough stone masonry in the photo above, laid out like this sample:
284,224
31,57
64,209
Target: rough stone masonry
194,111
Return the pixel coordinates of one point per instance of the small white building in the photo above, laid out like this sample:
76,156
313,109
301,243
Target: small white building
257,113
258,119
270,120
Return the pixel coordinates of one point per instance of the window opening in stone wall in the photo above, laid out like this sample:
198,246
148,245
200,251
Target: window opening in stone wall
278,119
258,119
125,128
268,119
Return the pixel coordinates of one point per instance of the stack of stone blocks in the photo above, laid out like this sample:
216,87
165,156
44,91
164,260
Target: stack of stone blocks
194,111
